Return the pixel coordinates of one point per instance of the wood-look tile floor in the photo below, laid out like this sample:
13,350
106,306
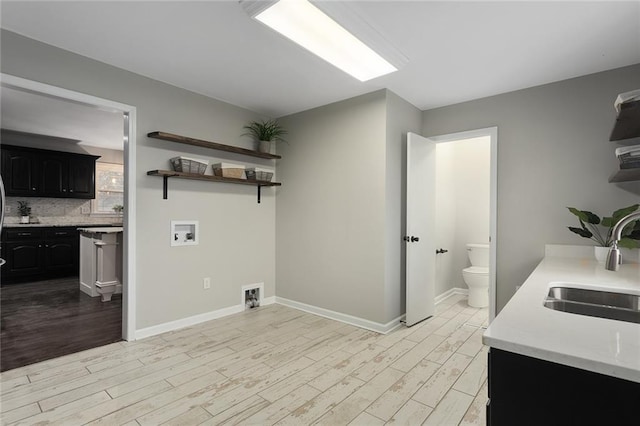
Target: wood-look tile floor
272,365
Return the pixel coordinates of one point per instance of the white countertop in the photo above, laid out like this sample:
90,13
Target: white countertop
105,230
605,346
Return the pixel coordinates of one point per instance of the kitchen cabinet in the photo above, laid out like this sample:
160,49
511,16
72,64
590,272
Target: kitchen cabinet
31,172
39,253
530,391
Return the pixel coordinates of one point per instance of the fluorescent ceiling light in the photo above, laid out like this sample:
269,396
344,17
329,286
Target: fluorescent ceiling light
306,25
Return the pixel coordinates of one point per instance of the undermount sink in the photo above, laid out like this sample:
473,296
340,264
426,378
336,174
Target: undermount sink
594,303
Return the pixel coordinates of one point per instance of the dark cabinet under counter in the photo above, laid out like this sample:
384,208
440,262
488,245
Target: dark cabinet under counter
528,391
39,253
31,172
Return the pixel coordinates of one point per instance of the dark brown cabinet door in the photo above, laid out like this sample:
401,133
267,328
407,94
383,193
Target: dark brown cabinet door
53,176
20,172
23,258
82,177
60,255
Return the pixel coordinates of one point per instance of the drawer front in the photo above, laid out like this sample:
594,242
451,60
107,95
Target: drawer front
60,233
22,234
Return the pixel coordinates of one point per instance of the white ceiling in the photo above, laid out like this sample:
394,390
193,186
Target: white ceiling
66,121
457,51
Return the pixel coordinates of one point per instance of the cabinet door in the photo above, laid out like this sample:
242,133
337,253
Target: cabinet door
23,258
20,173
82,177
60,255
54,176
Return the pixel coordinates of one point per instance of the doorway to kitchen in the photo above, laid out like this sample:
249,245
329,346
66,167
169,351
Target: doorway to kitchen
447,175
115,171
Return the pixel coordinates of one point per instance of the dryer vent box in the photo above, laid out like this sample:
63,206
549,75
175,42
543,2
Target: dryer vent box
184,233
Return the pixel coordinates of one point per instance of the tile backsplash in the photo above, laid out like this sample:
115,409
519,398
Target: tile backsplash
56,211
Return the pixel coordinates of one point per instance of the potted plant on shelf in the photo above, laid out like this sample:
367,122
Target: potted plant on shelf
600,230
24,210
265,132
118,208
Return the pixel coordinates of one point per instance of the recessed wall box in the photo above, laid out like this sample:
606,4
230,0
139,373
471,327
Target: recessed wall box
184,233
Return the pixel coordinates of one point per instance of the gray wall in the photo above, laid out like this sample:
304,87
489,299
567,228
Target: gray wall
553,152
331,213
402,117
237,234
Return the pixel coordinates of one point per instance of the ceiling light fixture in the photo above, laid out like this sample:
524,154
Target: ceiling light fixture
308,26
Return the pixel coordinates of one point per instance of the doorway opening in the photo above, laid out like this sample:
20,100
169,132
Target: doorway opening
466,206
436,193
99,210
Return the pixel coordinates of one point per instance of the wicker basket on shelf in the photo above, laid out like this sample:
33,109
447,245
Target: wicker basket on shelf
189,165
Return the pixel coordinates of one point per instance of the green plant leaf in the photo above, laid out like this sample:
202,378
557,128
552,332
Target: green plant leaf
581,231
628,243
607,222
578,213
592,218
619,214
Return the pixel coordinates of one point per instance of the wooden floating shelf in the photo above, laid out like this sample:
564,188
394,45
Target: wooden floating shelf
627,122
212,145
166,174
625,175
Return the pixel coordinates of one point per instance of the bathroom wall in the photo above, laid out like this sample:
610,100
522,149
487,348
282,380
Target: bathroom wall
553,152
463,205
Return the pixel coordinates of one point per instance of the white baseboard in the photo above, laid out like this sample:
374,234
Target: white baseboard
345,318
196,319
451,292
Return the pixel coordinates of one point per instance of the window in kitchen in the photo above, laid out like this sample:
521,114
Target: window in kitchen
109,188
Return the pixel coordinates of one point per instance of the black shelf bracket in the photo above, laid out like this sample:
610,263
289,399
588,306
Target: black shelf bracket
259,187
165,184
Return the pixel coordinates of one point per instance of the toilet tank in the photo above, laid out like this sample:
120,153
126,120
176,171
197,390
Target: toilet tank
478,254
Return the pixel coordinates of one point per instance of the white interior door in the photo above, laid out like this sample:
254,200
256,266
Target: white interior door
421,228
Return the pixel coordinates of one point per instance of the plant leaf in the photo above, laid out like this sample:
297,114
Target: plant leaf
607,222
619,214
628,243
578,213
591,217
581,231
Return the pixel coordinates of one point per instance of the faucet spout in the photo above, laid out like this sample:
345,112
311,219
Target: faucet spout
614,257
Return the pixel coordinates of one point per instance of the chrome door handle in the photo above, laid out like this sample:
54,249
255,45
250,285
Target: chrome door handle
441,250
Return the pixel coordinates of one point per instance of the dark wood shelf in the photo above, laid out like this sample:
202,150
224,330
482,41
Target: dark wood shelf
212,145
625,175
166,174
627,123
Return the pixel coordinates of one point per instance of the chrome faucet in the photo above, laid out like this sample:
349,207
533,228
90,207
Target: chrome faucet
614,257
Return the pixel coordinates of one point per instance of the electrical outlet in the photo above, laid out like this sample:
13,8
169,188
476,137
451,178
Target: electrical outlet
7,209
85,210
206,283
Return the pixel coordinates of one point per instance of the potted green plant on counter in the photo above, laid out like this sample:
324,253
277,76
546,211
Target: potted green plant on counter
265,132
600,230
25,210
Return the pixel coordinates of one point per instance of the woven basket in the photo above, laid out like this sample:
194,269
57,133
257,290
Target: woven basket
227,170
261,175
189,165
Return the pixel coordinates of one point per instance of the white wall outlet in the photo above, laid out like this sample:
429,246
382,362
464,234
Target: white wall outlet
85,210
7,209
206,283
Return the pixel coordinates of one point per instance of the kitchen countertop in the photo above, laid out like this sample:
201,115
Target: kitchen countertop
104,230
47,225
601,345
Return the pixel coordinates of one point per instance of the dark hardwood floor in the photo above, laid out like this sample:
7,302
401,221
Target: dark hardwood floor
47,319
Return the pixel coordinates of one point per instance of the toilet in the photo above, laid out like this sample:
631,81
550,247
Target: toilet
477,275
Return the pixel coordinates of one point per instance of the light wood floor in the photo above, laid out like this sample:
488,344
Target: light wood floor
272,365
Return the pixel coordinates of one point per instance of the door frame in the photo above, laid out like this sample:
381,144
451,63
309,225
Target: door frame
492,133
129,124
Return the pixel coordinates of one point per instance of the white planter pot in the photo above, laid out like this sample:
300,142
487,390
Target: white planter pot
601,253
24,219
264,146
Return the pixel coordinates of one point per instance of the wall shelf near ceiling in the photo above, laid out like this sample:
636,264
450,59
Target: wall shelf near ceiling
627,126
627,123
212,145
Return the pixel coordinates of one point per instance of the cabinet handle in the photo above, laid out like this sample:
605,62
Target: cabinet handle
24,234
33,189
71,190
64,190
46,245
61,233
39,245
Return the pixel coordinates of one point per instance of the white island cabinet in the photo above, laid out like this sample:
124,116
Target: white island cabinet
100,258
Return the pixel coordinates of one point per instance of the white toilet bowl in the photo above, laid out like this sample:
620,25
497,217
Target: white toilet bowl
477,276
105,290
477,279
